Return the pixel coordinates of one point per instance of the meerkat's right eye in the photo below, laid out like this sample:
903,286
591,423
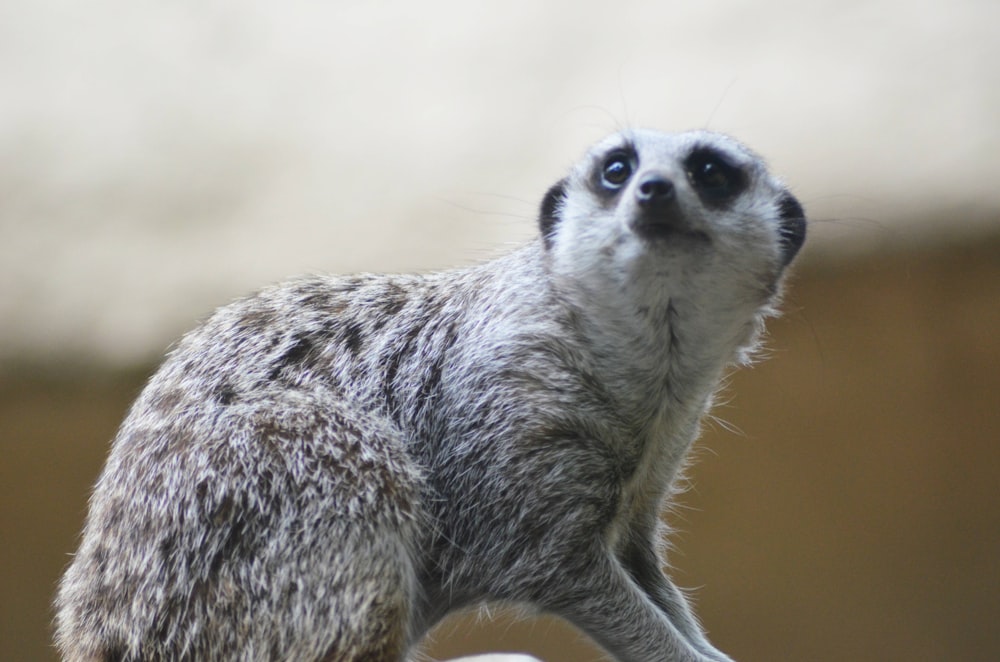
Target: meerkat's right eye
617,170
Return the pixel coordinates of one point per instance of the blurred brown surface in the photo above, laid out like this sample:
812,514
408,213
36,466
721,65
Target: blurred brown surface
855,516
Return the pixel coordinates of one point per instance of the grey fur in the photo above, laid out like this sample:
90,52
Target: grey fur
325,469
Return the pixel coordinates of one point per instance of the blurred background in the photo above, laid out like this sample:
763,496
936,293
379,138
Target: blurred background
159,159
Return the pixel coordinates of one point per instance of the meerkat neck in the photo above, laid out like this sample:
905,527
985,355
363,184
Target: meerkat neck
656,349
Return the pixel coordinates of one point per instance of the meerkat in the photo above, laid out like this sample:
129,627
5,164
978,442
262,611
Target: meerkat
324,470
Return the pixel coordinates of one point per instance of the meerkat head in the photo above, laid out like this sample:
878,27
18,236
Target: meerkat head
663,209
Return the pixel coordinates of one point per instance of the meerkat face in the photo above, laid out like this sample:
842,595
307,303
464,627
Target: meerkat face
643,202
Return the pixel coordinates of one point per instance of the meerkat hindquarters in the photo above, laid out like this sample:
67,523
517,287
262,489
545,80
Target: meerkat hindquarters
253,507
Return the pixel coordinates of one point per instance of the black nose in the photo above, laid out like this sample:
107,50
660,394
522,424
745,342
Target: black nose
655,192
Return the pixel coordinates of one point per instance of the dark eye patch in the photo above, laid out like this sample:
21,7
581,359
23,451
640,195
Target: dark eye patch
715,178
615,170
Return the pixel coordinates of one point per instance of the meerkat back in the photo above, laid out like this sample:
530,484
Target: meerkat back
325,469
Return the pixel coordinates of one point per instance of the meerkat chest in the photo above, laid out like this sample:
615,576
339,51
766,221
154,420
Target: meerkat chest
661,460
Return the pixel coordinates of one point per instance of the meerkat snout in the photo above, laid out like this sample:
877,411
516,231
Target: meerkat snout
659,214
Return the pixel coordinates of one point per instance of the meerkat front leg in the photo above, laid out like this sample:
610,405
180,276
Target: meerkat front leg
644,566
611,607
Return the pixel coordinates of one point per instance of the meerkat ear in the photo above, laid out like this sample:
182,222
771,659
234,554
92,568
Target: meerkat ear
549,213
793,226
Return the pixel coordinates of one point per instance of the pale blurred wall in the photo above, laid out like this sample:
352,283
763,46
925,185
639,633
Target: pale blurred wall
157,159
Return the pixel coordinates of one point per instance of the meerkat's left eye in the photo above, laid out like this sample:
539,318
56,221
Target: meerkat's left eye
617,170
715,179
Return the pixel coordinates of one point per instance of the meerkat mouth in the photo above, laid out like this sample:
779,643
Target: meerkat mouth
659,233
667,227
